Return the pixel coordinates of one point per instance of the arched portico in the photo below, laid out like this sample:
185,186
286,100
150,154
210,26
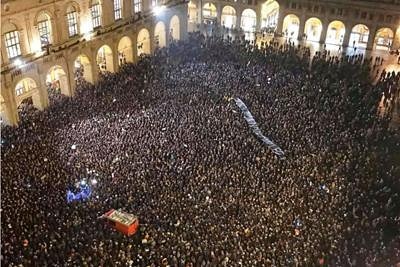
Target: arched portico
105,59
291,25
143,42
57,80
125,50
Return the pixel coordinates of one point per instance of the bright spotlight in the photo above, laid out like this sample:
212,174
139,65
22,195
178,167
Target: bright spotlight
83,182
18,62
158,10
94,181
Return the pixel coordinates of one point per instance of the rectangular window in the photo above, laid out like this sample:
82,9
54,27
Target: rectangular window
72,23
44,32
138,6
12,44
96,16
19,90
153,3
117,10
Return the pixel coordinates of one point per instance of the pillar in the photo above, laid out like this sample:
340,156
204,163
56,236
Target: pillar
219,13
10,106
371,38
279,26
346,37
324,32
238,19
301,27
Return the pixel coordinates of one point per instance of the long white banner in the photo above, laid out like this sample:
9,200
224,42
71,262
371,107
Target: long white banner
254,127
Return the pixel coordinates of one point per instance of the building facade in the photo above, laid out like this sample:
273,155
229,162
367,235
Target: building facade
47,42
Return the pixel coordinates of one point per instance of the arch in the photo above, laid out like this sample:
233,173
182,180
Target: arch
104,59
384,39
57,80
335,32
72,6
125,50
160,34
228,17
27,89
83,68
249,20
43,25
269,15
143,42
209,11
291,25
174,28
359,36
24,86
192,16
313,29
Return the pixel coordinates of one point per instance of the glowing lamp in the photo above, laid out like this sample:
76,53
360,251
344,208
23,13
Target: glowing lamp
158,10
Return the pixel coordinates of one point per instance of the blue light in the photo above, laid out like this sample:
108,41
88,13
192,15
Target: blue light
83,194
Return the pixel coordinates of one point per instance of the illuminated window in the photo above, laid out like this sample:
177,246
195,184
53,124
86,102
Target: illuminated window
153,3
117,10
12,44
72,22
44,32
96,15
19,89
138,5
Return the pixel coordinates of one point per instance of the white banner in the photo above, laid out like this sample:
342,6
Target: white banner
254,127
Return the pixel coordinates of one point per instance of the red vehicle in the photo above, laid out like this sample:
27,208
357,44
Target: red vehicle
123,222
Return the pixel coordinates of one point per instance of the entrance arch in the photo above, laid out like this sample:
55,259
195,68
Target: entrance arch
384,39
359,36
83,69
228,17
192,16
57,80
143,42
174,28
335,33
27,89
291,25
104,59
125,51
313,29
209,12
249,20
159,34
269,15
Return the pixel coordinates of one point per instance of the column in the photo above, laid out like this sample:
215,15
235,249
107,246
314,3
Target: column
10,107
301,27
324,32
371,38
346,38
219,14
238,18
281,17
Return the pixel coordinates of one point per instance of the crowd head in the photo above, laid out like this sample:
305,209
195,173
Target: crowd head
166,142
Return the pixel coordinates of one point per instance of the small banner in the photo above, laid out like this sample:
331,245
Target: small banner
254,127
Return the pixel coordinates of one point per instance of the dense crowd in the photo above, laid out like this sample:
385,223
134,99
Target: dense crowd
165,141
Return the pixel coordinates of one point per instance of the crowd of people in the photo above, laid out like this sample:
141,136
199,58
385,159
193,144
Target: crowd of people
165,141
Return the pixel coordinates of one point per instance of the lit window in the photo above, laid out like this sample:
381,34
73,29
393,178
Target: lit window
138,5
19,89
117,10
12,44
153,3
44,32
96,15
72,22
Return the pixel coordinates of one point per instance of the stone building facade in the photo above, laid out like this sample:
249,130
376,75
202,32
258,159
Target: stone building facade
47,42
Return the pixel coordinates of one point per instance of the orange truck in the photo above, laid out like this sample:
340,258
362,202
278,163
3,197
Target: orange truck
123,222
